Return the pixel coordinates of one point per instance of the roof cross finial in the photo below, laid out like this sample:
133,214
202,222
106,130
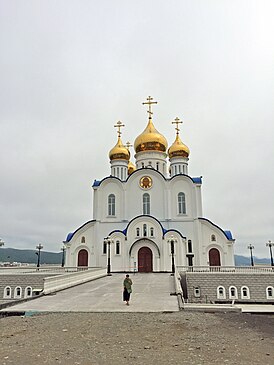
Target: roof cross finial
177,121
149,102
119,125
128,145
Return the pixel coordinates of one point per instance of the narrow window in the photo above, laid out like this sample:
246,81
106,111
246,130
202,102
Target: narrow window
233,294
245,292
221,292
83,240
182,203
175,170
197,292
143,165
111,204
17,292
104,248
7,292
28,292
145,230
137,232
157,166
183,169
151,232
117,247
146,203
122,174
114,171
179,169
213,237
269,292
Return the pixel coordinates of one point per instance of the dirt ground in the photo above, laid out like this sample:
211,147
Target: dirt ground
137,338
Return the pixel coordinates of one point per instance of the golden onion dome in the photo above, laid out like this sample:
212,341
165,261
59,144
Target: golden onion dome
119,151
178,148
131,168
150,140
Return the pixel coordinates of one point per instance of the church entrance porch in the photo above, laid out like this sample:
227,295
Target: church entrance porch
145,260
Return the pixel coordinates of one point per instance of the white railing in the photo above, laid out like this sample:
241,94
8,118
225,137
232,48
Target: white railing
227,269
42,269
69,279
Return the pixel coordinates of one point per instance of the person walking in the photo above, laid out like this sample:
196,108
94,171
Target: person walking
127,289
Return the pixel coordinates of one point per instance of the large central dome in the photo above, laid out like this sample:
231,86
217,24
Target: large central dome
150,140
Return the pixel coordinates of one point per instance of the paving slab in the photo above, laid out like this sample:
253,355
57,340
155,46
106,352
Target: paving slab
151,293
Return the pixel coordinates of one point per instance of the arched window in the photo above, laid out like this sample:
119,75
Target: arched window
7,292
144,230
245,292
146,203
221,292
137,232
213,237
117,248
270,292
151,232
181,203
18,292
111,204
28,292
83,240
233,293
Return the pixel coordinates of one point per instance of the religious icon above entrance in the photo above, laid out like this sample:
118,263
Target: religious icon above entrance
146,182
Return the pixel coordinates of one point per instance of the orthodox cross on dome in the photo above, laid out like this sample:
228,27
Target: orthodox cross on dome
119,125
149,102
128,144
177,121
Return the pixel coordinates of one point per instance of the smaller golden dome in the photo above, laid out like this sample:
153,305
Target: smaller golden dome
178,148
119,151
131,167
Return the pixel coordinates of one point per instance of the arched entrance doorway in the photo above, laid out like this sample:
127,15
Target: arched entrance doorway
83,258
145,260
214,257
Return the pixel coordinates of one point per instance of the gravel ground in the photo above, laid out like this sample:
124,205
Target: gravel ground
138,338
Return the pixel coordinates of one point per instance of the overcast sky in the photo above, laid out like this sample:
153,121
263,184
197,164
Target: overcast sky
69,70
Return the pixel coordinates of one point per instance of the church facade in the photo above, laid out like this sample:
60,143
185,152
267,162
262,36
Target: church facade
147,215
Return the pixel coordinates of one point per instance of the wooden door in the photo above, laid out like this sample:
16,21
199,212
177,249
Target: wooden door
83,258
145,260
214,257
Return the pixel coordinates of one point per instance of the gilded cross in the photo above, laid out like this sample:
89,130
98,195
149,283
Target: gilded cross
149,102
128,144
177,121
119,125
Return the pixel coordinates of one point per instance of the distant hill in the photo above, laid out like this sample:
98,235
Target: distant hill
245,261
29,256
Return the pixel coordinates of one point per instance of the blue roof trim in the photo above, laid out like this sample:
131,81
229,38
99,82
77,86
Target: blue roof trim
173,230
71,234
197,180
96,183
117,231
228,234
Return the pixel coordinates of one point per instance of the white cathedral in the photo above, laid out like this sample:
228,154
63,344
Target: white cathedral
148,216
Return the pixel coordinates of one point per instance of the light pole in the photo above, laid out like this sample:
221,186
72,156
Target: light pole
63,248
172,240
251,248
1,242
39,248
108,241
270,245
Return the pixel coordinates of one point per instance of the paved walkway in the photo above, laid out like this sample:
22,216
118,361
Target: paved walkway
151,293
